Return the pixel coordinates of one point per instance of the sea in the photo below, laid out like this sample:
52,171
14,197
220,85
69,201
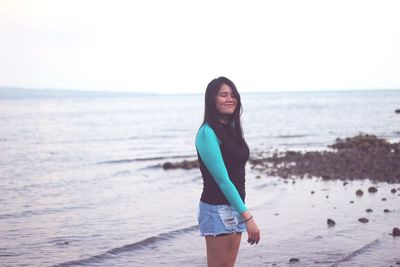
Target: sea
82,183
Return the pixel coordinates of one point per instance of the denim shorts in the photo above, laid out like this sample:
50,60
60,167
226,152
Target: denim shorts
219,219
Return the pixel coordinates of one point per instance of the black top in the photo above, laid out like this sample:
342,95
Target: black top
235,154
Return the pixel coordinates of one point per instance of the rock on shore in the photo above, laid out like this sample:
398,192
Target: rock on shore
359,157
186,164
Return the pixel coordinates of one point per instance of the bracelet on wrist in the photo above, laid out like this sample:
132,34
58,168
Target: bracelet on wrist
248,219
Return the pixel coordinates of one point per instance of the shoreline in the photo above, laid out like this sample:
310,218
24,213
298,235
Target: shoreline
354,158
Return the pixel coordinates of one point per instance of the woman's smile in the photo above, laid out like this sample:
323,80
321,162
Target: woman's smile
225,100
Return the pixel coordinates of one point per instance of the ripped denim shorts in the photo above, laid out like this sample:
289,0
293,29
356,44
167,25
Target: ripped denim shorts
219,219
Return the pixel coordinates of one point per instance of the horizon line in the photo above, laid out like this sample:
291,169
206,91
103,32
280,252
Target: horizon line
59,90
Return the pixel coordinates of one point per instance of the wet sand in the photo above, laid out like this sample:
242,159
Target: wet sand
293,223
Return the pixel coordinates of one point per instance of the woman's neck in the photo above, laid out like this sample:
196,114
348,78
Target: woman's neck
224,119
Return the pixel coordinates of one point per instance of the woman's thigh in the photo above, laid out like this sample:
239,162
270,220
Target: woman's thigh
222,250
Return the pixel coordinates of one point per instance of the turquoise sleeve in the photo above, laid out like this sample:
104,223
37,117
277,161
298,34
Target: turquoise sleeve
207,144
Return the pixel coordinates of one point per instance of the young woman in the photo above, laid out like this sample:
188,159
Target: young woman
222,153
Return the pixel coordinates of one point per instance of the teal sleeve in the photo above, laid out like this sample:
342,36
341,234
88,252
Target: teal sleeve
207,144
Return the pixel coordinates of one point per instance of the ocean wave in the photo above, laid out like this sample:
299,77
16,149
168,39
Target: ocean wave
130,247
119,161
9,254
292,136
357,252
38,212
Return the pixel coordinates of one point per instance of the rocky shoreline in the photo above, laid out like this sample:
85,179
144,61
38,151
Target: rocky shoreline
359,157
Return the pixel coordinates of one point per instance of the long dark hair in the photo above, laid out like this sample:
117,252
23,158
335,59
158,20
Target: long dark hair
211,114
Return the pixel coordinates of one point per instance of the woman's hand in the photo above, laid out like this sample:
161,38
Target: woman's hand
253,232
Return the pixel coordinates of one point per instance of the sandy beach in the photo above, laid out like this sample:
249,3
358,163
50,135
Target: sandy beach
336,218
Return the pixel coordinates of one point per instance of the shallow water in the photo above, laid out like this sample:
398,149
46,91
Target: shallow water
79,183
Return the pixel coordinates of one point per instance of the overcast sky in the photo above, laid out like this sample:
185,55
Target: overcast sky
179,46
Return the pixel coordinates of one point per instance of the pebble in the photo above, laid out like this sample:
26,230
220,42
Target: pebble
372,189
363,220
386,211
369,210
294,260
384,199
396,231
359,192
331,222
393,191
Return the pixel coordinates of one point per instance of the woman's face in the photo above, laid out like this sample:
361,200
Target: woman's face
225,100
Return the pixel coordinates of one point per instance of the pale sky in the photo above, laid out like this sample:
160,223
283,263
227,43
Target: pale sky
179,46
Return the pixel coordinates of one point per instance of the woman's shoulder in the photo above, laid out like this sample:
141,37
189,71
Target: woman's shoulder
205,128
206,132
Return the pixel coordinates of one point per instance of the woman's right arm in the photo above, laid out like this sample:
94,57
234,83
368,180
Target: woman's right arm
207,144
